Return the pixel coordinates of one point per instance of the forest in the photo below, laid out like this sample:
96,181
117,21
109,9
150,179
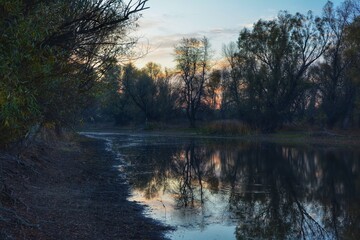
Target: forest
62,68
297,69
66,66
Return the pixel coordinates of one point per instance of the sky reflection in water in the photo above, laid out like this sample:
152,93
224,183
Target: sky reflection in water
223,189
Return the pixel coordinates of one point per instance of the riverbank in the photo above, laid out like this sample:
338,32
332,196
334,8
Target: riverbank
323,137
69,190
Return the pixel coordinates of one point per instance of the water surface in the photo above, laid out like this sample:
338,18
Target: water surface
229,189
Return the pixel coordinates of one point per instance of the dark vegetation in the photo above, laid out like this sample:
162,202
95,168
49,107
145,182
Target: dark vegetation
63,62
52,55
295,70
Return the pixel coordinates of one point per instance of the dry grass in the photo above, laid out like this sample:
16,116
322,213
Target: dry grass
228,127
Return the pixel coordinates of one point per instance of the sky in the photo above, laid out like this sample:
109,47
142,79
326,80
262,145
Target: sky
166,22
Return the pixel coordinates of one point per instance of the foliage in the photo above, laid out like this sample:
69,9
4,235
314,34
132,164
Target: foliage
51,55
333,75
276,55
213,88
135,95
59,57
295,68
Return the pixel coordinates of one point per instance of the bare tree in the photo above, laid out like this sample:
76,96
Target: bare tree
193,59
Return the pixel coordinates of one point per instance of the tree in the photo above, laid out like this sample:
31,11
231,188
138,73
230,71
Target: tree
153,70
212,88
332,75
233,81
150,90
141,88
167,98
193,61
274,58
52,54
353,51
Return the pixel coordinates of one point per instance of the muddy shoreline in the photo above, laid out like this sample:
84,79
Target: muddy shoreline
71,191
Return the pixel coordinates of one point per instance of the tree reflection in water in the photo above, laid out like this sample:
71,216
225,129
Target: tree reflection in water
274,192
276,209
188,169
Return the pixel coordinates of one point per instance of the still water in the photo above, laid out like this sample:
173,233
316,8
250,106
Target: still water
229,189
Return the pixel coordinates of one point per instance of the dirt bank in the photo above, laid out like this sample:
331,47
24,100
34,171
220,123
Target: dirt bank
69,191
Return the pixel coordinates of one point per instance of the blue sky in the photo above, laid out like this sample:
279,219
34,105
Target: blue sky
168,21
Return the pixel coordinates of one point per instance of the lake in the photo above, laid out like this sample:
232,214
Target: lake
232,189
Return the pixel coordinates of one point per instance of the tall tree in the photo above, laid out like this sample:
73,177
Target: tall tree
276,55
233,81
353,51
336,87
193,62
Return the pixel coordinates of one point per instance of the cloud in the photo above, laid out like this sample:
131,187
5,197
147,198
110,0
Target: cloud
223,31
170,40
161,46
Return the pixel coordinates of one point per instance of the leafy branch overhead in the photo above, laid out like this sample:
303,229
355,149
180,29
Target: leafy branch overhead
53,52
